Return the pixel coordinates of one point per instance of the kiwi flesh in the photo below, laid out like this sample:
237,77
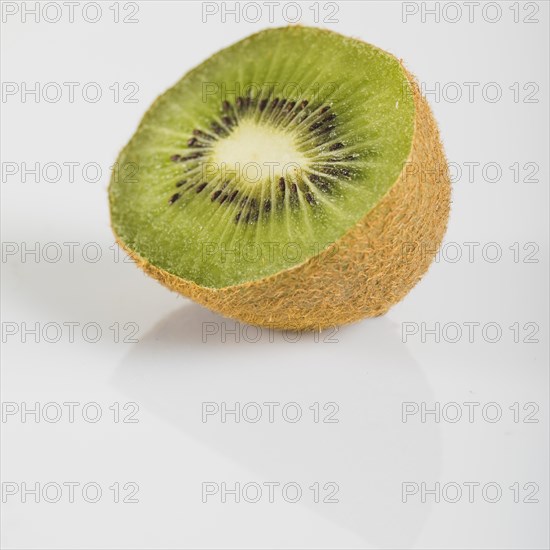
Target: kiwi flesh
294,180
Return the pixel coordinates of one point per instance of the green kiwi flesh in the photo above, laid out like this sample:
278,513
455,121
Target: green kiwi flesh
262,156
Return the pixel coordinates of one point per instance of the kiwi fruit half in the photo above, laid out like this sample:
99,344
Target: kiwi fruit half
294,180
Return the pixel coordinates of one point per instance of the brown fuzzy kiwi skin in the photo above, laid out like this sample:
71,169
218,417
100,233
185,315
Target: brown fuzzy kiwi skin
369,269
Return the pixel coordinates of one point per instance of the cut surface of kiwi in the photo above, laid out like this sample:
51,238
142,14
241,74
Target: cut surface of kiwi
261,162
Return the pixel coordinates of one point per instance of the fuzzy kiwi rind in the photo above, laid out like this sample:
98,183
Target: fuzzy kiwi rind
365,272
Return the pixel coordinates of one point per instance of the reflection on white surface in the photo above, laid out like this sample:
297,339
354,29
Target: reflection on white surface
366,371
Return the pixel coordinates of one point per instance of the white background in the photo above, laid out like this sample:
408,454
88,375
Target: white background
369,369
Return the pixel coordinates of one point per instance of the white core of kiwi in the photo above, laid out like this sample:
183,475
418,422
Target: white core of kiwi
256,153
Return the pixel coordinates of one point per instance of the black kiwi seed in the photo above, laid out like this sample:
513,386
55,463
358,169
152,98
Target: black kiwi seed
192,141
201,187
238,216
224,198
262,105
253,211
289,106
293,194
325,108
175,158
217,129
336,146
282,184
267,205
304,104
310,198
201,134
192,156
319,182
228,121
323,186
215,195
180,183
274,103
315,125
337,171
174,198
326,129
240,103
233,195
226,106
320,123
